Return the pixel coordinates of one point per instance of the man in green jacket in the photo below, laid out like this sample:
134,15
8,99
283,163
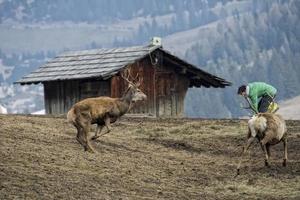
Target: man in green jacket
259,94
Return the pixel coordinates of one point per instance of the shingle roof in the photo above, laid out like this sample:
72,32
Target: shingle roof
105,63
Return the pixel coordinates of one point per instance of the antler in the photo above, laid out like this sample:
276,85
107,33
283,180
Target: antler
136,81
127,74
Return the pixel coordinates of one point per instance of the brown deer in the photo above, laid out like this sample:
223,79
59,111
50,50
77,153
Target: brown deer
269,129
103,111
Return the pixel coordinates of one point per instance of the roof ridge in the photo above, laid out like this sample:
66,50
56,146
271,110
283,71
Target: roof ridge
107,50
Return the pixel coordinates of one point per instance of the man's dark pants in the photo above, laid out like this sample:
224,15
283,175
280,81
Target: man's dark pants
264,103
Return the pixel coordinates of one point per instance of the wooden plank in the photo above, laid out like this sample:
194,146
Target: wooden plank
56,98
168,106
61,97
52,97
173,105
46,98
70,88
208,79
161,107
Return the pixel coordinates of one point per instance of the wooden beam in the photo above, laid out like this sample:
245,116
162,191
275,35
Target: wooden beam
183,70
206,76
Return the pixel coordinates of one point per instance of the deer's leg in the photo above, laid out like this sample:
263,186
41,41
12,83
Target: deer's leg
246,147
107,125
108,128
98,131
268,150
285,151
268,137
80,135
265,149
88,146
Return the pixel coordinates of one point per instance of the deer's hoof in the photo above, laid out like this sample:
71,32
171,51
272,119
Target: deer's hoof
237,172
284,163
267,163
90,150
94,138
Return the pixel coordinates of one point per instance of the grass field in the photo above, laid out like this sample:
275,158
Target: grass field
142,159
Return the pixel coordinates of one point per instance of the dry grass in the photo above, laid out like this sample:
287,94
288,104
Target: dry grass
141,159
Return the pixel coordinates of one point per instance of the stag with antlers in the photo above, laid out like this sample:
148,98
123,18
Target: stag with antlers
103,111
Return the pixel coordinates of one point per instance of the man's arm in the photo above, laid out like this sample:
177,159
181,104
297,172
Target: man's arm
253,103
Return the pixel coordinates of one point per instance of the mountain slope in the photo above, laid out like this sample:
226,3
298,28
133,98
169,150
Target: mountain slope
244,48
290,109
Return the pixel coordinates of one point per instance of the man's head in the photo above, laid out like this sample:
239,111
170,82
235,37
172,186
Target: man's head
242,90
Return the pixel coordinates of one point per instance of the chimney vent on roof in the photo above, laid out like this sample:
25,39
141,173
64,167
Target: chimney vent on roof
155,41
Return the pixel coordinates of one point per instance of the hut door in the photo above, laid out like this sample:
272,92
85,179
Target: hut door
166,101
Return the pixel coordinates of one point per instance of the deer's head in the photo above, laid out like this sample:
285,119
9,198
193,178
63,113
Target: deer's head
133,92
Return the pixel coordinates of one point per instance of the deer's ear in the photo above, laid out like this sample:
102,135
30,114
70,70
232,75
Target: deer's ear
138,84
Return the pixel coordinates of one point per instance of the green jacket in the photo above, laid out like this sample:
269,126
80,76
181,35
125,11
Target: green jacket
259,89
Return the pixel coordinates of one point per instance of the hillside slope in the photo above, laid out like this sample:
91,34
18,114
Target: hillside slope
290,109
141,159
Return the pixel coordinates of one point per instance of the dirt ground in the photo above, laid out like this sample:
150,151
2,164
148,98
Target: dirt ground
142,159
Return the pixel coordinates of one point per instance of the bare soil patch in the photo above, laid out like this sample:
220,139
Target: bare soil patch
142,159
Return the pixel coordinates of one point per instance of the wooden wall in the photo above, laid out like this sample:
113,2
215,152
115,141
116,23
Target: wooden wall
61,95
171,88
164,87
146,71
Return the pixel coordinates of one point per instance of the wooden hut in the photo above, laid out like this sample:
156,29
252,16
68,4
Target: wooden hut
74,76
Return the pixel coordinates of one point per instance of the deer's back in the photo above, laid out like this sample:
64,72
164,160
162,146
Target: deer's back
276,127
95,107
